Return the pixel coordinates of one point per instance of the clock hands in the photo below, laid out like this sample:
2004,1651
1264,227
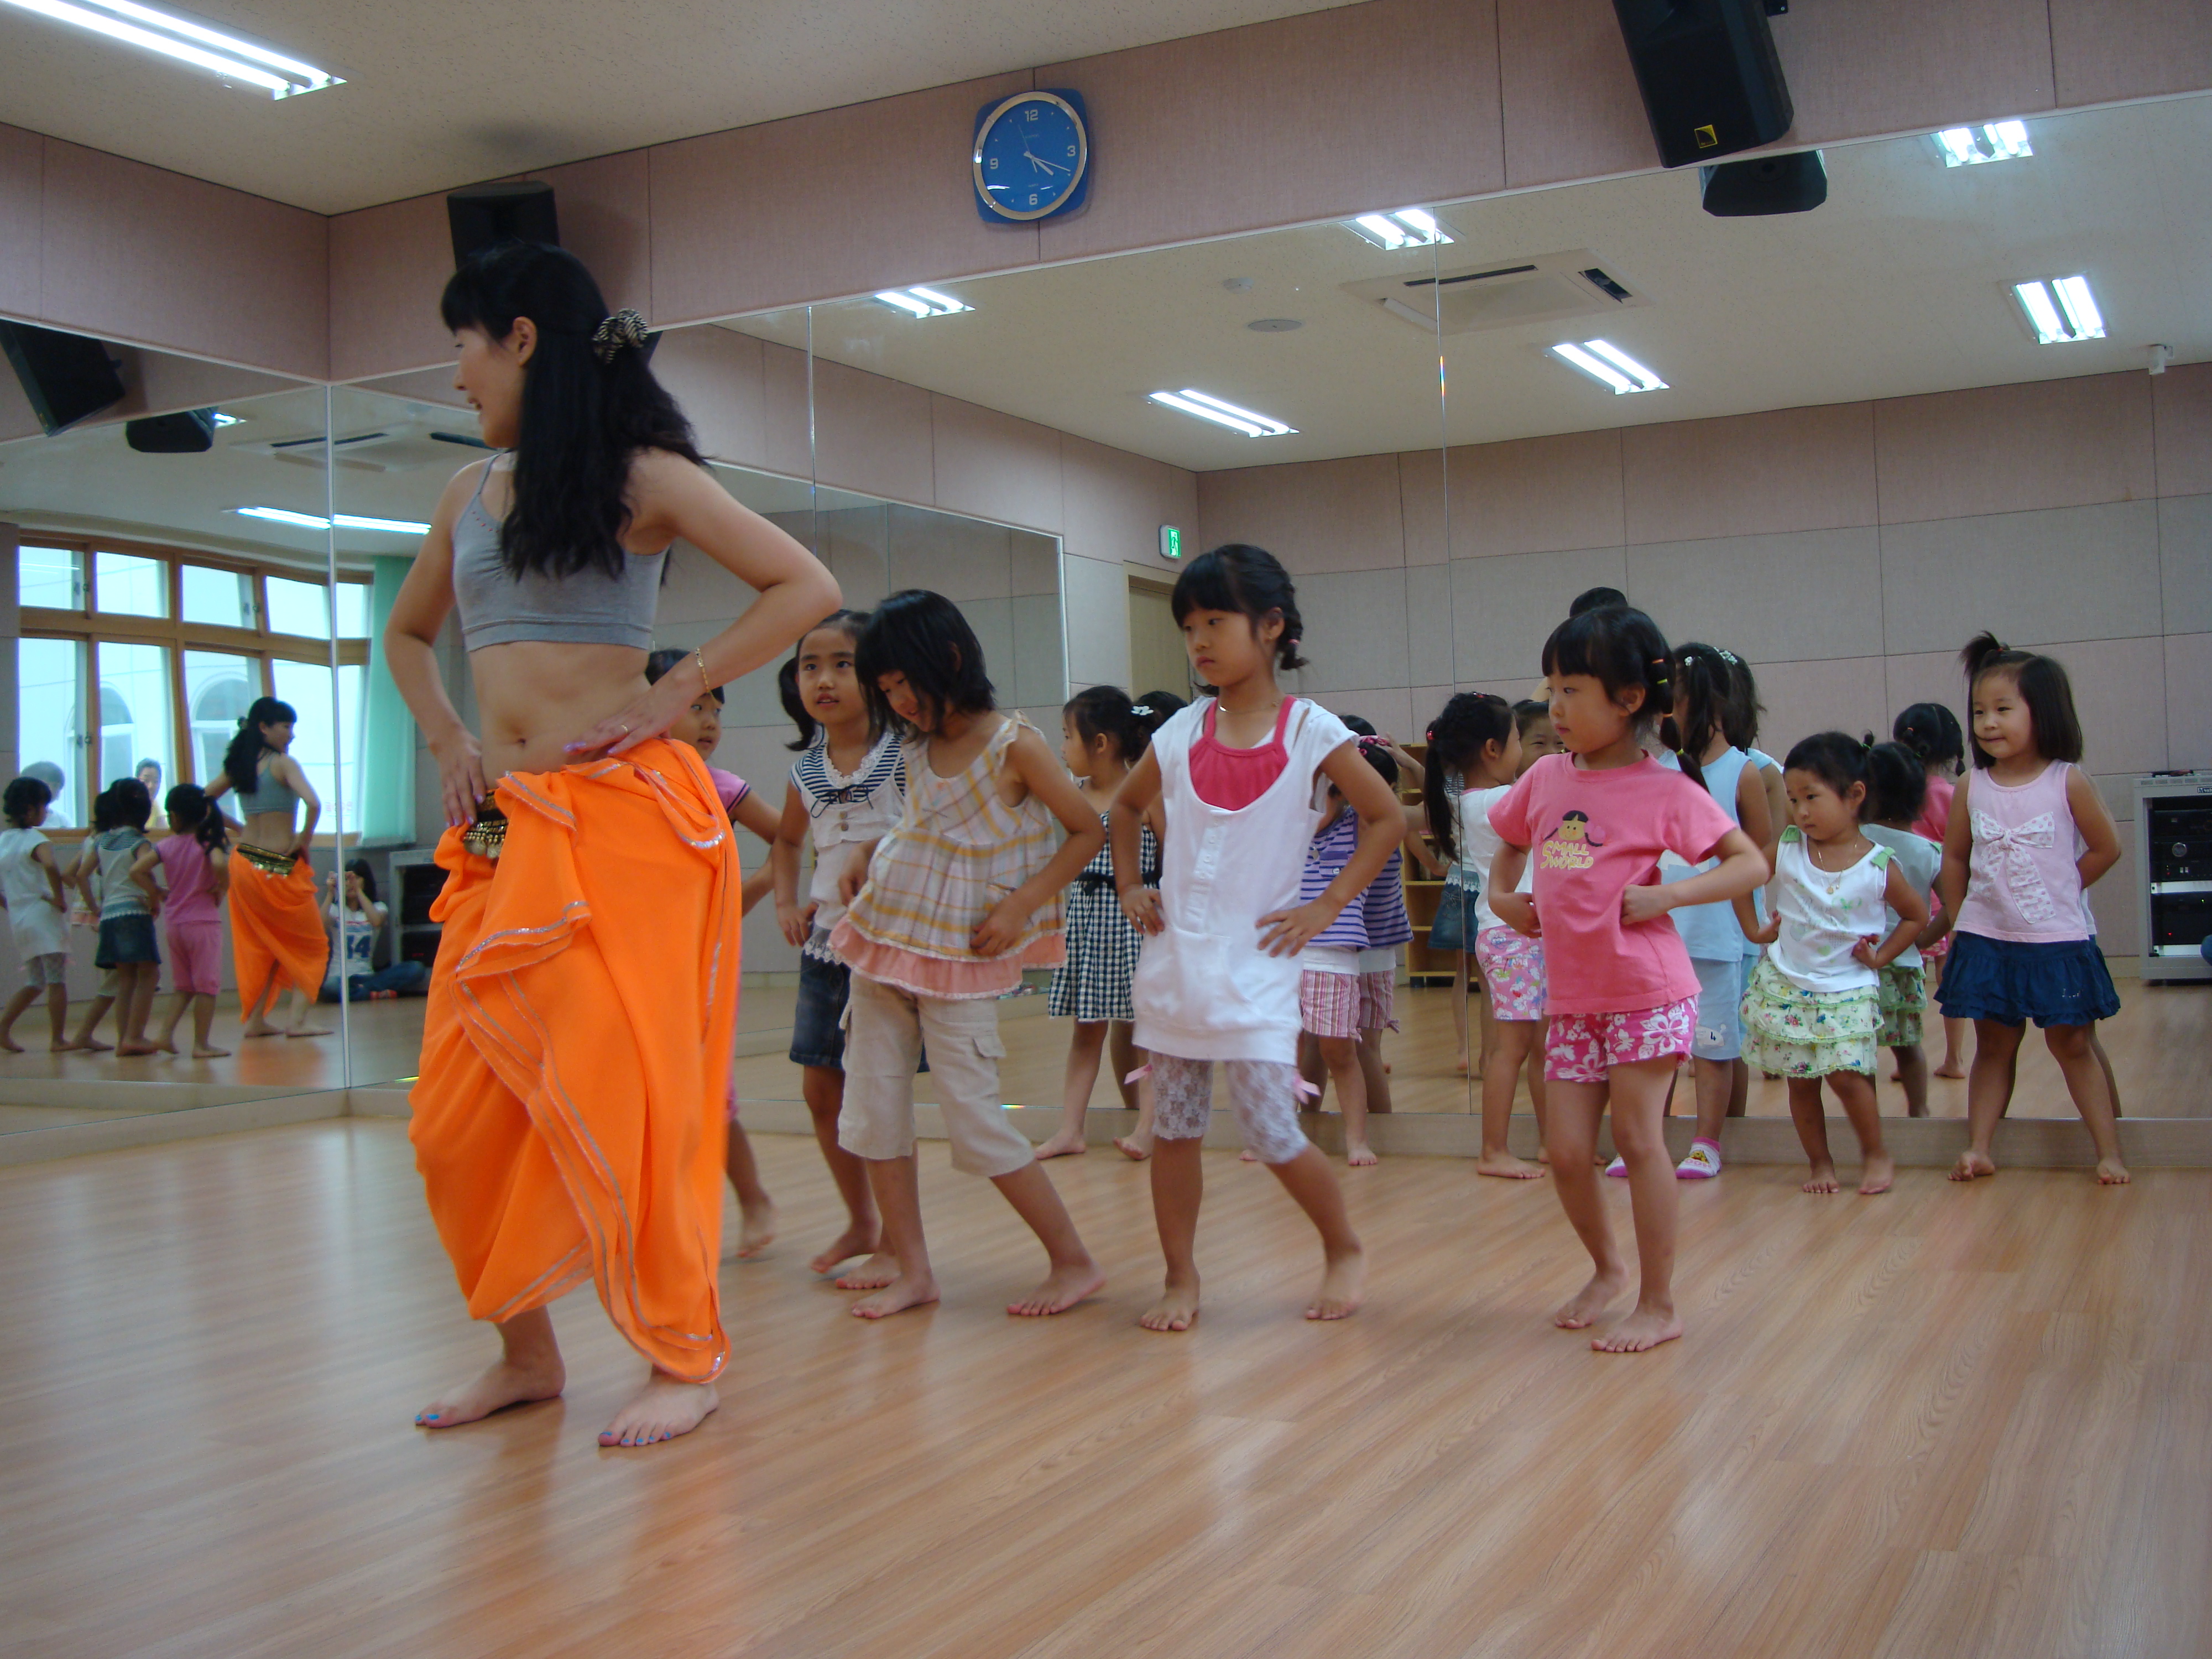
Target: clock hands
1039,161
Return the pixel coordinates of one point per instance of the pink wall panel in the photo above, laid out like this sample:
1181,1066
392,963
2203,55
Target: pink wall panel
1790,469
784,424
606,220
2188,695
996,466
1537,495
2181,410
133,253
2006,449
1422,507
21,170
1113,504
1572,110
1842,694
716,374
872,434
388,265
1322,515
2107,50
1860,67
739,222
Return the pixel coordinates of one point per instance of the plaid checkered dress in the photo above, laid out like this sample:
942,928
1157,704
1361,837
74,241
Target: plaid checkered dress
1093,983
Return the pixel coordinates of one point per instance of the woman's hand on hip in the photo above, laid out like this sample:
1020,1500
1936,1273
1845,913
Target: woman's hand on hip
460,776
649,715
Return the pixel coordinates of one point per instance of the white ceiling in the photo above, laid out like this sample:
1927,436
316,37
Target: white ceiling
1897,285
438,94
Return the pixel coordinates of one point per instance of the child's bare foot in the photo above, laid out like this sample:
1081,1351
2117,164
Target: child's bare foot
501,1386
93,1045
166,1045
1506,1167
1176,1309
855,1240
1248,1156
1973,1164
663,1409
2111,1172
896,1296
1062,1288
1949,1068
1135,1148
1582,1310
210,1054
1879,1176
878,1270
756,1229
259,1028
1642,1329
325,1031
11,1045
1066,1144
1822,1180
129,1047
1343,1287
64,1046
1358,1155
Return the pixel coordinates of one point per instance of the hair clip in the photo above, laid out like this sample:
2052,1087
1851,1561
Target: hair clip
624,329
1367,742
1140,708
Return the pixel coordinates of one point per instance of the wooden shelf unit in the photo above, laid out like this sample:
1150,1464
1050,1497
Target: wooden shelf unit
1423,894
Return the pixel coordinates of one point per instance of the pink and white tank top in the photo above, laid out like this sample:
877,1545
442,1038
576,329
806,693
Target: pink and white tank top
2023,883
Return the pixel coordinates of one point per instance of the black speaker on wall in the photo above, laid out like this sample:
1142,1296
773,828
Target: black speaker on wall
187,432
1711,80
1796,183
67,377
484,216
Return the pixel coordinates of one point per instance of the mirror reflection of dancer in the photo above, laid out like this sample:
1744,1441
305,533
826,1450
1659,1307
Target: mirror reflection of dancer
569,1119
276,936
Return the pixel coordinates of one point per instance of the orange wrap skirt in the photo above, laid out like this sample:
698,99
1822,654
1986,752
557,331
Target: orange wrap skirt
276,936
568,1119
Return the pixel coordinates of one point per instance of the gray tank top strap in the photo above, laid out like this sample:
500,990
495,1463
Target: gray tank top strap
267,795
587,608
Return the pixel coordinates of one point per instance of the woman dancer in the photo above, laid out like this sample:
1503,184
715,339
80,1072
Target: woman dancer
276,936
569,1118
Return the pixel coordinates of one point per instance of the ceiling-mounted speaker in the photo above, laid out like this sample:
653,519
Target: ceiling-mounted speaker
1711,83
484,216
1796,183
67,377
187,432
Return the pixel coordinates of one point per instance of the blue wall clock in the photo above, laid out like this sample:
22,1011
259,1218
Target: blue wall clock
1032,156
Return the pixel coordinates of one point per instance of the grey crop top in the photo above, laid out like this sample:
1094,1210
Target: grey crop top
268,794
589,608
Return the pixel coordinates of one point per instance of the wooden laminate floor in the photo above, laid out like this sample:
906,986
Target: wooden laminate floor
1950,1421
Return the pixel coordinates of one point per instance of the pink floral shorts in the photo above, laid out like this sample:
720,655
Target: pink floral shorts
1512,967
1585,1047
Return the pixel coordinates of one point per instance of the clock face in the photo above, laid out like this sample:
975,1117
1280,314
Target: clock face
1031,158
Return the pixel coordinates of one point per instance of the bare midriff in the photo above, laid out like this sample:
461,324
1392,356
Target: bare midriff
536,696
271,831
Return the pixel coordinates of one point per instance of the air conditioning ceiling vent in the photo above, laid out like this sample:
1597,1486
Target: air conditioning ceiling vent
1476,296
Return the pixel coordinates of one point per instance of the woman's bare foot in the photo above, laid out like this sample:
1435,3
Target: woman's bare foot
1507,1166
2111,1172
259,1028
1067,1143
11,1045
325,1031
663,1409
1580,1310
896,1296
210,1054
1641,1330
1343,1287
756,1229
1063,1287
501,1386
878,1270
1822,1180
1135,1148
1358,1155
1950,1068
855,1240
1879,1176
1972,1165
132,1048
1176,1309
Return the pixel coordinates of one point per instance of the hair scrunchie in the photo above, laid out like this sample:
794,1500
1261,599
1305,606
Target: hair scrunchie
624,329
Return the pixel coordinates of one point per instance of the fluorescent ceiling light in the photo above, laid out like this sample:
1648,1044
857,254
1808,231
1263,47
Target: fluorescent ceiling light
1969,147
2061,310
921,301
1603,361
218,418
189,42
1406,227
345,520
1236,417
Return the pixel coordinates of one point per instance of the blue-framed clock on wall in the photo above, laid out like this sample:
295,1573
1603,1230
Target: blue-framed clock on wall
1032,157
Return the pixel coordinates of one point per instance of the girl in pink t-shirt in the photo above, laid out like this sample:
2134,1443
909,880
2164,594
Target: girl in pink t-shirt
1621,995
196,866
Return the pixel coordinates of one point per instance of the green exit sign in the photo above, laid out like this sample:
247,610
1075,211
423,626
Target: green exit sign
1171,542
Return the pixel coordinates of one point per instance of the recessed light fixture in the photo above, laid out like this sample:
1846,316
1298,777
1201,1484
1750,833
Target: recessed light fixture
218,418
188,42
345,520
1603,361
921,301
1207,407
1406,227
2061,310
1969,147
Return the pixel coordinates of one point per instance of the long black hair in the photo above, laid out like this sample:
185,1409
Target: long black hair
1897,784
583,419
187,803
923,635
2044,687
1740,713
1703,684
1107,711
1622,649
1932,732
241,761
361,867
848,623
1469,724
1248,580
